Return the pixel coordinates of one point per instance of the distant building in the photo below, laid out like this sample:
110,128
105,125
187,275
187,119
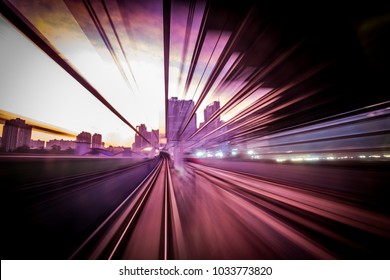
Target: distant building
208,113
139,142
62,145
152,138
97,141
178,113
16,133
84,140
115,150
84,137
210,110
37,144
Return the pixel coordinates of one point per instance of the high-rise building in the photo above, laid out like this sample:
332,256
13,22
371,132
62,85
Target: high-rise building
16,133
140,142
97,140
178,113
208,112
84,137
83,143
151,140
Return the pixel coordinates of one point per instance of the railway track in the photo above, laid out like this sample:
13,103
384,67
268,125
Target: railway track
146,225
201,212
67,184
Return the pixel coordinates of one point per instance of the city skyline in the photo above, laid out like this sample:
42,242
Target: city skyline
180,110
95,140
17,133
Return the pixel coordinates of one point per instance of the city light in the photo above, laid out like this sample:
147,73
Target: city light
219,154
311,158
296,159
199,154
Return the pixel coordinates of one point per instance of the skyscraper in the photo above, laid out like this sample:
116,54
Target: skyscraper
96,140
208,112
178,113
151,136
16,133
140,142
84,137
83,143
155,138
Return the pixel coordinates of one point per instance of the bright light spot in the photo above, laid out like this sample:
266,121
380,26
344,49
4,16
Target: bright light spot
234,153
374,156
250,152
344,157
330,158
219,154
362,156
280,159
199,154
297,159
386,156
209,155
311,158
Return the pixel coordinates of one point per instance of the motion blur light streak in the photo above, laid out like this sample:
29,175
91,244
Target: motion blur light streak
276,120
37,125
